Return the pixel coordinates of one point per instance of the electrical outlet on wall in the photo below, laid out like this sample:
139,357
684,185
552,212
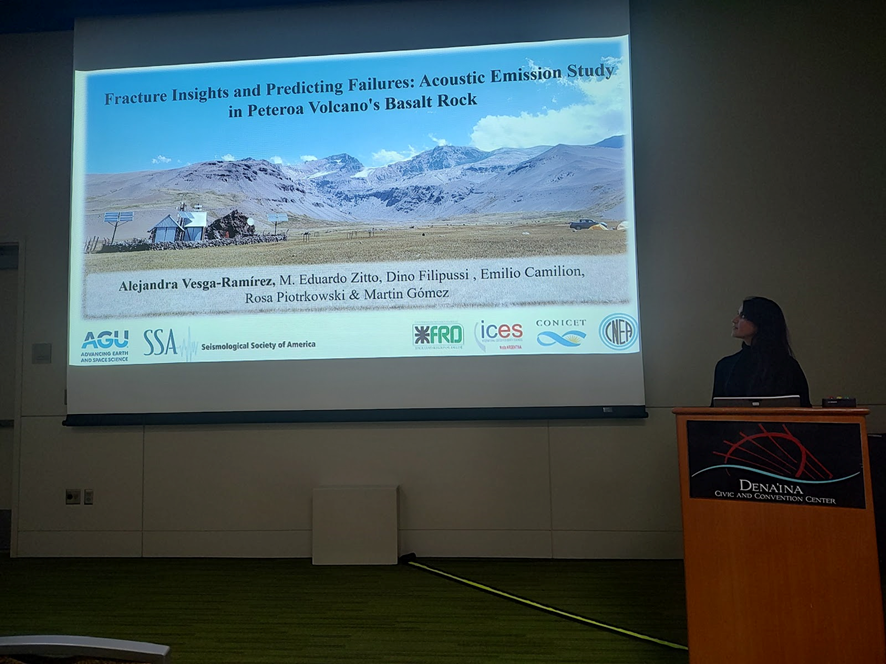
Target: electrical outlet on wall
88,497
72,496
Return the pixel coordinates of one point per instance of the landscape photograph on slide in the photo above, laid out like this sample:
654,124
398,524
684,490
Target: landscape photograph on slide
445,178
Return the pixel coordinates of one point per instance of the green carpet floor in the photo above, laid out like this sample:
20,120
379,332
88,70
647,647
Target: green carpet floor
281,611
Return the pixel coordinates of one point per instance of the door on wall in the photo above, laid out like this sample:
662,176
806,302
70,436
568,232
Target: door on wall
9,311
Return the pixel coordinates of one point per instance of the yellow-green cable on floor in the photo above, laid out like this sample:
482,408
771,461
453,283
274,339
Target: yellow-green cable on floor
409,559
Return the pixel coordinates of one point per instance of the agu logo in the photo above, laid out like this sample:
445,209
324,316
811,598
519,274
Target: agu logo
428,335
105,339
619,331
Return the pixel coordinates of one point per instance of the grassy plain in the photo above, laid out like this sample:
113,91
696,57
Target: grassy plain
346,245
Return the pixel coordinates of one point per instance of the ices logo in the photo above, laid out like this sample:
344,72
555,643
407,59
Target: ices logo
507,334
618,331
105,339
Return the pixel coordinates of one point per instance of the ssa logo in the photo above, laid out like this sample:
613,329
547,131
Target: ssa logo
160,342
106,339
619,331
437,335
507,336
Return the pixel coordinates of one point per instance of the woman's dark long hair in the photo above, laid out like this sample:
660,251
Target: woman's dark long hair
772,338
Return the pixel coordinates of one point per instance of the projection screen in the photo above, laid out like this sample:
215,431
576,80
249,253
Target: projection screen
376,211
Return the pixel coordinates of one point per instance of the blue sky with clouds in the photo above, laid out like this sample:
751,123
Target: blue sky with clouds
579,110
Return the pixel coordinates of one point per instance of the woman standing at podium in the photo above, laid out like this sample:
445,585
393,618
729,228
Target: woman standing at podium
765,365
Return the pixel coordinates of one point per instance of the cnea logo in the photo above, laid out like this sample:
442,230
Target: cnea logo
160,342
438,334
619,331
105,339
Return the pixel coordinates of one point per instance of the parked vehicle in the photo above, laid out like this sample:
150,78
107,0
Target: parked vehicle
581,224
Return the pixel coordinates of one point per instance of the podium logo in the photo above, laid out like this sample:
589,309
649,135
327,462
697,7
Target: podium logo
776,454
105,339
619,331
802,463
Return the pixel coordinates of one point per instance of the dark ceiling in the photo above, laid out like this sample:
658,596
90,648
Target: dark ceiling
48,15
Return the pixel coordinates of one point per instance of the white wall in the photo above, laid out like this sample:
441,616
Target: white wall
759,170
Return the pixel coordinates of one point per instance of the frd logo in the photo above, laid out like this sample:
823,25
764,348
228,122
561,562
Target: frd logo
160,342
618,331
105,339
436,335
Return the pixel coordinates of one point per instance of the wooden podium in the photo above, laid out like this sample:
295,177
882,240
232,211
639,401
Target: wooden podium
779,540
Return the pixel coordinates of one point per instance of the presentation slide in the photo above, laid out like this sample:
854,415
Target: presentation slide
442,203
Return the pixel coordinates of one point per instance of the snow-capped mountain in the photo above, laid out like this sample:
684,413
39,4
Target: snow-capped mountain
445,182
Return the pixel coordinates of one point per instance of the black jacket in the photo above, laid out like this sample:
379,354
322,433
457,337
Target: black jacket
748,373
